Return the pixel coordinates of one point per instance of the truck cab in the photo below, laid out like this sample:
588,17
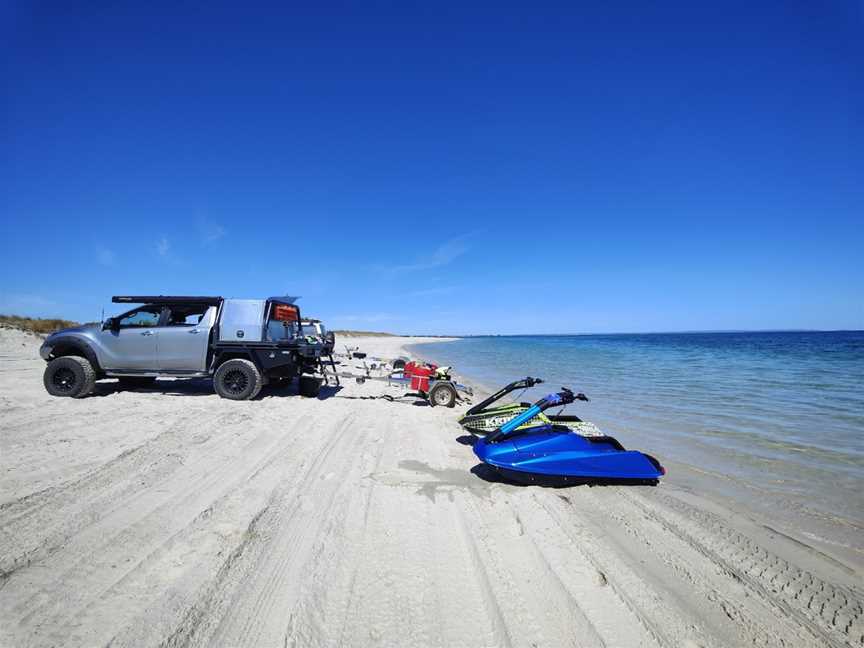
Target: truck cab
157,337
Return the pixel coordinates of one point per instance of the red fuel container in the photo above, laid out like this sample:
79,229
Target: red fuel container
419,374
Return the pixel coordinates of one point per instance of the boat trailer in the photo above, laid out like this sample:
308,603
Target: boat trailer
429,382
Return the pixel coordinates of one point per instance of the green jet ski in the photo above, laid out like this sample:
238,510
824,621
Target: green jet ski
483,418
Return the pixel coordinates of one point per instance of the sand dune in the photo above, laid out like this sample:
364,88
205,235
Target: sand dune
172,517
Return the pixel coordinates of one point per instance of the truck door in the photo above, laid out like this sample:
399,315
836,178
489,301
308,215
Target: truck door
185,338
132,344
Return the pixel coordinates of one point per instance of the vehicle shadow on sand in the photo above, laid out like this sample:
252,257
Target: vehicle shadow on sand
184,387
398,400
291,389
203,387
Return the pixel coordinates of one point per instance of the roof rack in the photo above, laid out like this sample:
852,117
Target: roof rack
165,299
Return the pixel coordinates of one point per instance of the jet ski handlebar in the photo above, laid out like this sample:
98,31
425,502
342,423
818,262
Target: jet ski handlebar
522,383
564,397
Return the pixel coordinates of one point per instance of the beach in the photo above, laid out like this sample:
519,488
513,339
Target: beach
769,423
171,517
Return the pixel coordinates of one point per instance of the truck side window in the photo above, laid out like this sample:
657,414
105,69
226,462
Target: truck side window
142,318
186,315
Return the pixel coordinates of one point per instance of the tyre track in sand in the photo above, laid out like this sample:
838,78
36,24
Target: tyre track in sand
328,579
102,559
587,581
369,582
649,558
266,591
42,448
349,591
715,606
36,526
536,611
218,590
401,591
833,613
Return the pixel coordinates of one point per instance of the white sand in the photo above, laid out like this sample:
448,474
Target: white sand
172,517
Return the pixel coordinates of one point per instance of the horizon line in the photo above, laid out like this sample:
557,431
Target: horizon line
685,331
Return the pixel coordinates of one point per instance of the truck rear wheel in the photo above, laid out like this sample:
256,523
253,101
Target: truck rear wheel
309,386
69,376
237,380
443,394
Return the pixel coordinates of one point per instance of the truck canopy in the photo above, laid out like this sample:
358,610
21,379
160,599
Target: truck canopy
242,320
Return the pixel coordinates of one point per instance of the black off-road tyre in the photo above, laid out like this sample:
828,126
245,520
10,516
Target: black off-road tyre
136,382
309,386
237,380
69,376
443,395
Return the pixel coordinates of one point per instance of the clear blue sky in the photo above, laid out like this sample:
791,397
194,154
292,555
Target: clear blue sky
614,166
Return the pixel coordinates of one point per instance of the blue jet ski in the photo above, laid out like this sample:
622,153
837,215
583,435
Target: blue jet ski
553,455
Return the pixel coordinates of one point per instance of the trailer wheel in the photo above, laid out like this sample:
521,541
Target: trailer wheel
443,394
69,376
309,386
237,379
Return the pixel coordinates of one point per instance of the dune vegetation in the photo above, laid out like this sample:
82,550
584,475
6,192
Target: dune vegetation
36,324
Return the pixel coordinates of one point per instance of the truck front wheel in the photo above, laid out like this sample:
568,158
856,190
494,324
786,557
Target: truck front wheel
237,380
69,376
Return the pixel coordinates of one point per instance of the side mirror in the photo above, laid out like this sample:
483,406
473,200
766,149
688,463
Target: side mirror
110,323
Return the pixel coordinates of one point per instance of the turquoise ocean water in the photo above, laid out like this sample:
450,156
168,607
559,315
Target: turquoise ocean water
780,415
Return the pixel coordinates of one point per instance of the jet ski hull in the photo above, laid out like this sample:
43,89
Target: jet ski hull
556,456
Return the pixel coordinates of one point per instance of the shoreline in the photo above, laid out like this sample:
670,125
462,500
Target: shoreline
723,493
169,515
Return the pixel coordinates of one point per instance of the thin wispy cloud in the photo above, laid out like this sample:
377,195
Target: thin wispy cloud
210,231
443,255
163,246
432,292
105,256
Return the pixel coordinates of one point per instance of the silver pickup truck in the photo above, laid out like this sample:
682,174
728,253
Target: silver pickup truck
241,343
